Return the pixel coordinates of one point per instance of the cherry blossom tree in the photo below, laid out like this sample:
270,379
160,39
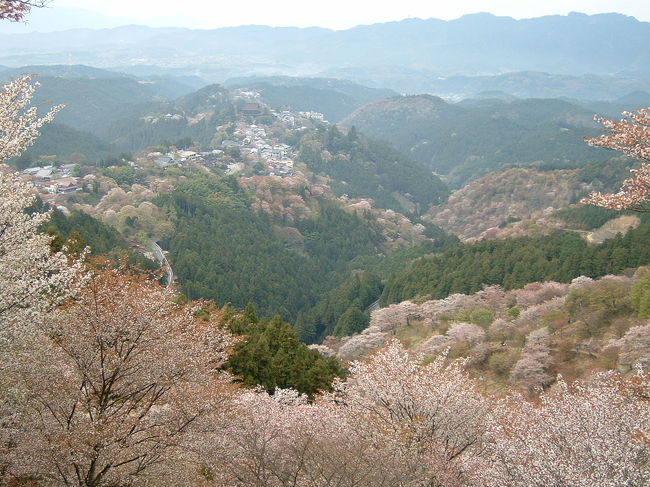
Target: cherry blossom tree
15,10
427,418
117,383
631,136
32,279
19,123
466,332
30,276
591,433
393,422
282,440
635,347
531,372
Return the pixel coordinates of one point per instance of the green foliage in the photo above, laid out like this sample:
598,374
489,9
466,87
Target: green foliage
586,217
360,290
640,294
349,298
335,236
351,322
272,356
224,252
387,265
64,141
100,237
78,230
513,313
362,168
607,175
502,362
607,299
482,316
122,175
513,263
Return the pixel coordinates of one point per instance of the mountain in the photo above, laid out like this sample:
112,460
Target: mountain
94,98
67,71
465,141
513,195
61,140
195,115
163,84
404,56
92,104
335,98
529,84
613,108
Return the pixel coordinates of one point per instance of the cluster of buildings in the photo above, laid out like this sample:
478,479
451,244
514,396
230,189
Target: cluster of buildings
53,179
166,116
179,158
250,140
289,117
276,157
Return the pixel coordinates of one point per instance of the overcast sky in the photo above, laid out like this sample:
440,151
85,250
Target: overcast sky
337,14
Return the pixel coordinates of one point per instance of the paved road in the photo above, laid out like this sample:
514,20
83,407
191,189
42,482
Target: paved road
373,306
162,260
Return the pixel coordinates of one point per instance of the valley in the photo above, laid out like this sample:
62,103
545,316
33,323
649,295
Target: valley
399,254
304,218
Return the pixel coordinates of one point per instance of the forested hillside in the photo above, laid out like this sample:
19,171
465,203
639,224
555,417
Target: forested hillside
195,115
503,197
515,262
465,142
227,289
360,167
334,98
221,251
67,144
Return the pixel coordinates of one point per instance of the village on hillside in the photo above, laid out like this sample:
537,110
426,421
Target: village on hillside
248,150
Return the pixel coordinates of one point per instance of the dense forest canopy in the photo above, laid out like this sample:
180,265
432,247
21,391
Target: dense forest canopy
513,263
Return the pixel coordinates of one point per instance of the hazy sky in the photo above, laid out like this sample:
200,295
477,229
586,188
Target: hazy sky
337,14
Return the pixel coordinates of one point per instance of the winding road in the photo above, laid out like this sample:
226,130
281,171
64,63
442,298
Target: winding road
162,260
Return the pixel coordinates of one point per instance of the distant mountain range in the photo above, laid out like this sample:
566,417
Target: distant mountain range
410,56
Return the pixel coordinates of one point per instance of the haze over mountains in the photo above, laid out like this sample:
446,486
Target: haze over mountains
606,53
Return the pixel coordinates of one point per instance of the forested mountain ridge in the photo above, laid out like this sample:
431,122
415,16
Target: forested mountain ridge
334,98
195,115
360,167
501,198
512,263
466,141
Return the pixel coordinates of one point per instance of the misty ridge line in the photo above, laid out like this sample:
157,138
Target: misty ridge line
478,44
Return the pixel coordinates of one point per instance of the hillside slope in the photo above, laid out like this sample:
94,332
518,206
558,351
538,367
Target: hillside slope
465,142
